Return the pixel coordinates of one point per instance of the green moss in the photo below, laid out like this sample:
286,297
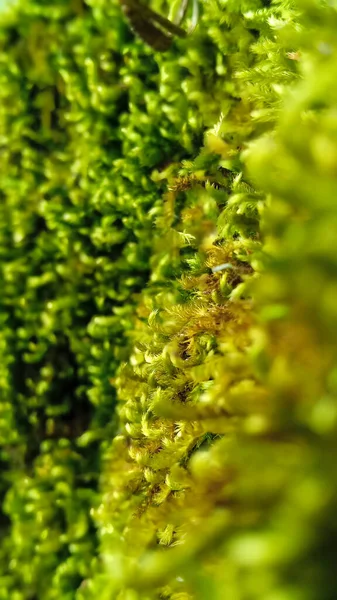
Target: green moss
167,241
245,359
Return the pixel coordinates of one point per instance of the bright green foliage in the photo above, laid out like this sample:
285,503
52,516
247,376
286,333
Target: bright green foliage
168,231
222,483
87,114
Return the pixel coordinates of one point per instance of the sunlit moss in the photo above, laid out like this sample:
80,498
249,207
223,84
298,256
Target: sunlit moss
167,240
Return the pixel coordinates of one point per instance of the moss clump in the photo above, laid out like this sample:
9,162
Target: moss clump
221,483
168,231
90,117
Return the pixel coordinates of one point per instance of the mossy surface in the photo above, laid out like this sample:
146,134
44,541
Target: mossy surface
168,304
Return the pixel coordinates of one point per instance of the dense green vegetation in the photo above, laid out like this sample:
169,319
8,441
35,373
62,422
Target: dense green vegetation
168,304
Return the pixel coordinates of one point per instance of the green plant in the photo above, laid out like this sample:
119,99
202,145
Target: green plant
221,483
167,232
